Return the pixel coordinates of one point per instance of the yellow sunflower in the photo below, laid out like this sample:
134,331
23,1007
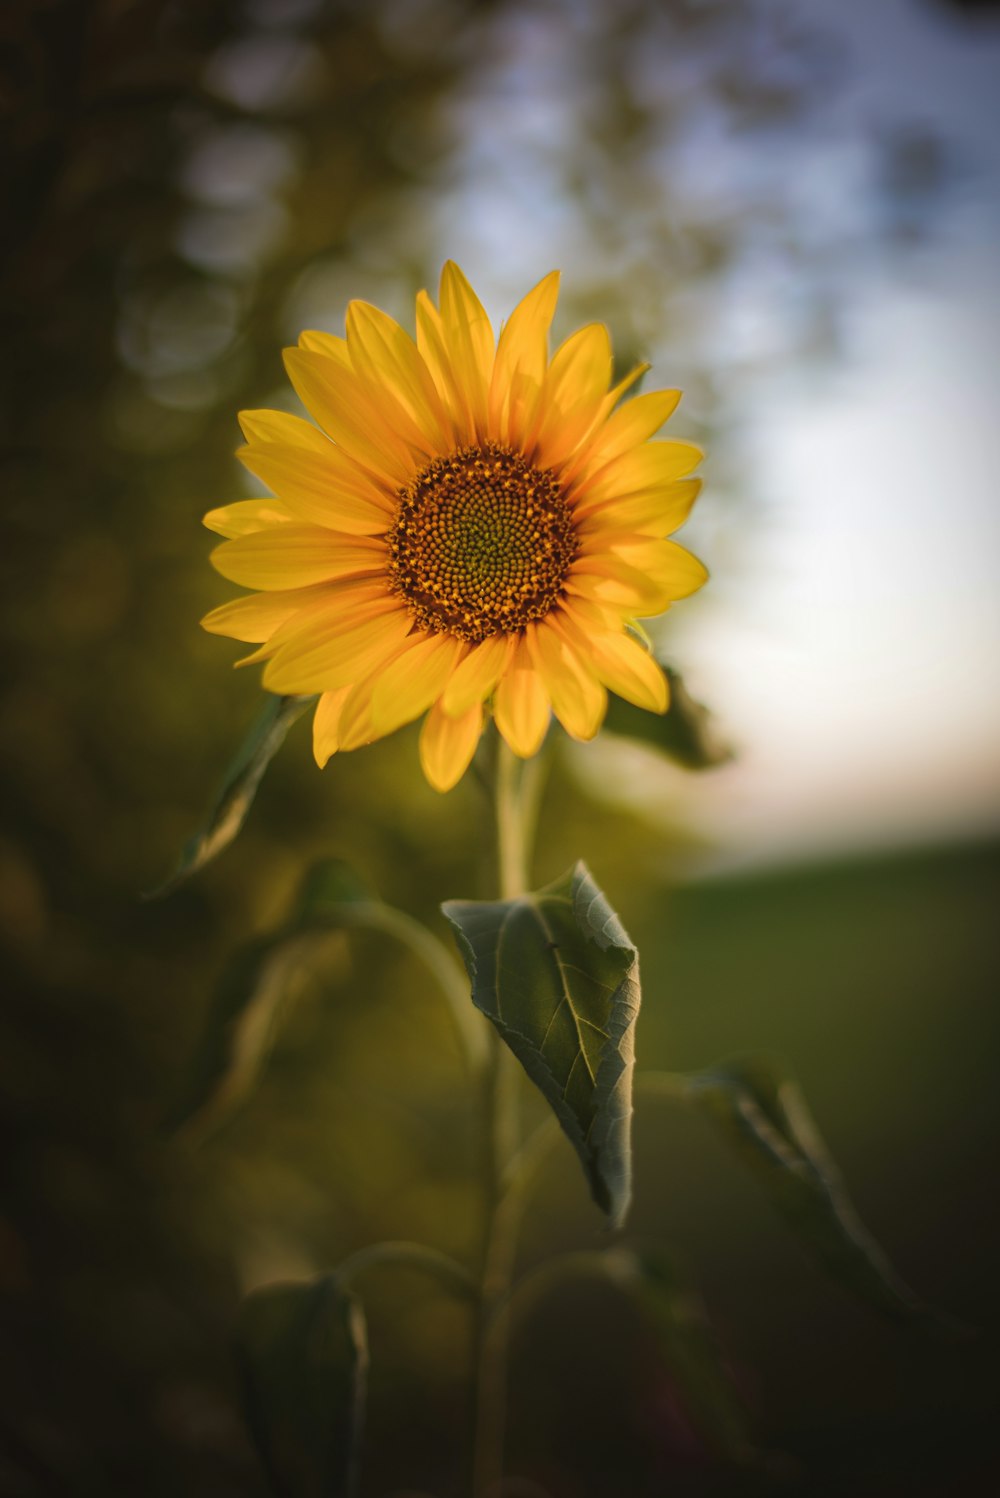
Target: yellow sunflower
471,522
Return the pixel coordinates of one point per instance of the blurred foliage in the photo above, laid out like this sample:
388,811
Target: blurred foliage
184,186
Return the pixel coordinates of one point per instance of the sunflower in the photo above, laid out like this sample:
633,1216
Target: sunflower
471,523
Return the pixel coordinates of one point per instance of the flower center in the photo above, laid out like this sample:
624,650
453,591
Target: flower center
482,543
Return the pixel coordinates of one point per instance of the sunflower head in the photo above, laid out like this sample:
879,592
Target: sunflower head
470,522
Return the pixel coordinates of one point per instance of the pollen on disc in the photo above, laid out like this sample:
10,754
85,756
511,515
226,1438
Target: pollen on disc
481,544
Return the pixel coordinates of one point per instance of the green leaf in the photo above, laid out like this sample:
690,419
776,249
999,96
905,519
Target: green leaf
256,987
255,991
238,789
686,732
559,978
676,1317
263,978
762,1111
303,1354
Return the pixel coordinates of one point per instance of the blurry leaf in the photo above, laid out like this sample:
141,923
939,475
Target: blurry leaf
238,789
763,1112
263,977
256,987
687,731
559,978
332,883
303,1353
676,1317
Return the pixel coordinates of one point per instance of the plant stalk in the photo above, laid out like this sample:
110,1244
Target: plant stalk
516,796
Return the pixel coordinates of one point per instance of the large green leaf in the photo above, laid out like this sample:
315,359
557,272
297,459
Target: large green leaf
235,795
763,1112
303,1354
687,732
559,978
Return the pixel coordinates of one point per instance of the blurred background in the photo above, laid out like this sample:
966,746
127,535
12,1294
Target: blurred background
793,212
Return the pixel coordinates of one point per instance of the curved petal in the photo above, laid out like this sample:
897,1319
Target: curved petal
665,563
521,705
434,352
385,356
579,700
469,341
475,677
626,428
320,484
338,401
330,344
320,481
447,744
293,556
521,358
255,617
414,680
355,728
572,396
609,579
648,467
320,658
326,612
326,724
623,665
246,516
657,512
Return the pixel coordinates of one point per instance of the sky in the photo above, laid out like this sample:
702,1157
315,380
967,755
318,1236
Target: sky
853,648
859,667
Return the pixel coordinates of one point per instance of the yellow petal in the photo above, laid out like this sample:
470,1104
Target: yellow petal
649,467
317,479
521,357
469,341
447,744
572,395
326,724
581,368
320,659
293,556
386,357
246,516
336,399
475,677
609,579
355,726
578,699
414,680
279,429
622,664
626,428
255,617
433,351
320,490
657,512
330,344
666,564
616,393
521,705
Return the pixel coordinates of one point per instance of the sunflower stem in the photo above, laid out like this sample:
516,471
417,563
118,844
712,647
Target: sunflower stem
516,789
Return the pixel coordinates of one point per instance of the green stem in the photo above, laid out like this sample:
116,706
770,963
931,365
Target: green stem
440,963
404,1255
517,789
